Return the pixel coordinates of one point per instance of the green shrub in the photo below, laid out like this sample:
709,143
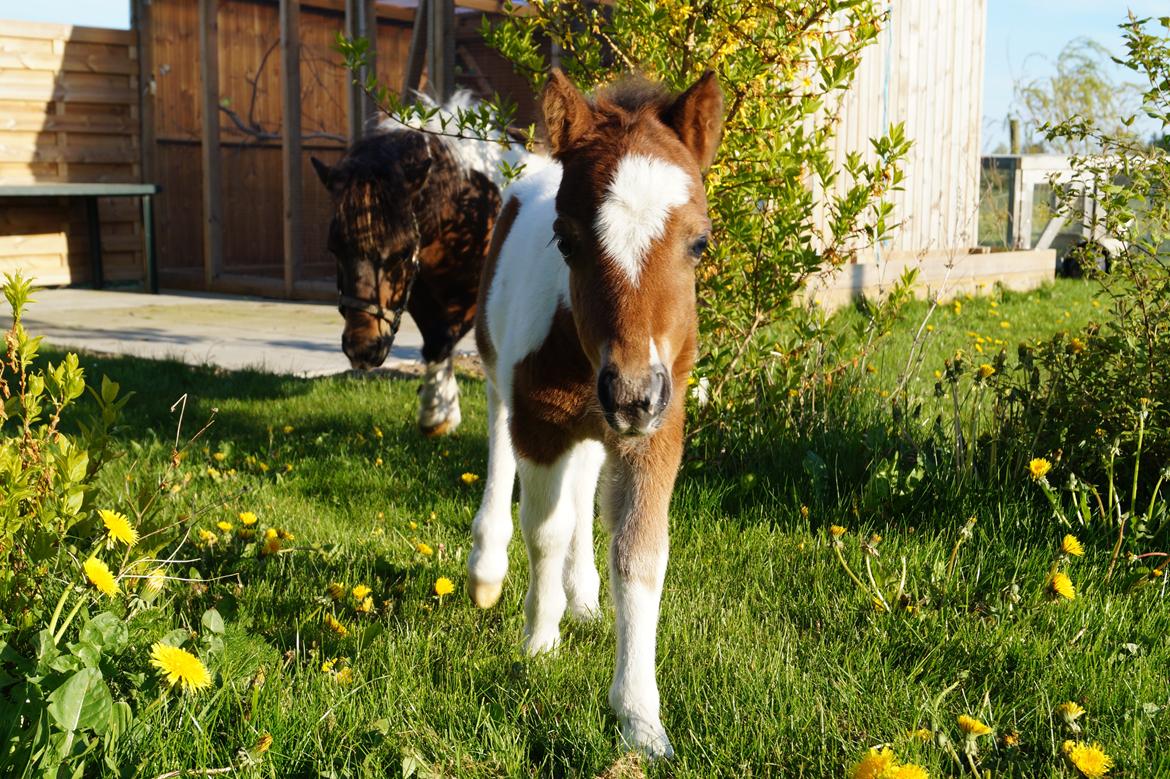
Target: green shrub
81,584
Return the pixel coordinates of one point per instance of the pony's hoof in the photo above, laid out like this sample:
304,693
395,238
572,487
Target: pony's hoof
432,431
649,738
485,594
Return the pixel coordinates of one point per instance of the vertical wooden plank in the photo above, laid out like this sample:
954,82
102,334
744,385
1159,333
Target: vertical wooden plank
370,27
418,48
290,148
212,173
144,29
441,49
357,25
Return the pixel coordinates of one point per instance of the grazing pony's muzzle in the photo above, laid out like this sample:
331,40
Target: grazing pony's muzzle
633,405
365,351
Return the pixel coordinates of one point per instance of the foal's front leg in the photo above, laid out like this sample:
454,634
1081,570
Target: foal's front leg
549,502
635,499
492,528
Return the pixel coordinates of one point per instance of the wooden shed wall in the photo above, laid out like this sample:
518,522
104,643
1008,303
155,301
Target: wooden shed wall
925,70
68,112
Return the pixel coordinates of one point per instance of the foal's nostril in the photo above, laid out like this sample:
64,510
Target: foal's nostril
606,394
659,395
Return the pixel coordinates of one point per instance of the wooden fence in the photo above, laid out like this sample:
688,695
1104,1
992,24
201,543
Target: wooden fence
68,112
245,197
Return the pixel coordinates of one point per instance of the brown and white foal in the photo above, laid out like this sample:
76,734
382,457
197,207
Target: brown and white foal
587,328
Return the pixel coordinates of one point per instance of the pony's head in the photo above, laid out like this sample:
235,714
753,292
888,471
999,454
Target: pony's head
632,224
374,236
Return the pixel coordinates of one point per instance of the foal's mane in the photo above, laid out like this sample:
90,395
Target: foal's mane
633,94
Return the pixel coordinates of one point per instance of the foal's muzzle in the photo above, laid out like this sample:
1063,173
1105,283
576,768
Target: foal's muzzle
633,405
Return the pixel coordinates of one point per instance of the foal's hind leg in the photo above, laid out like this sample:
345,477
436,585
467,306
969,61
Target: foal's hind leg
549,502
492,528
580,578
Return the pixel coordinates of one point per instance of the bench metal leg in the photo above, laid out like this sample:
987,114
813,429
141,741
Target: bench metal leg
148,238
94,223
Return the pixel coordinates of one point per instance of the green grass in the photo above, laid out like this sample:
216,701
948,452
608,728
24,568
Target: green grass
771,663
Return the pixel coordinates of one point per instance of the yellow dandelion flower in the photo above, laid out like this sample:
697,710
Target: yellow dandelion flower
423,549
413,525
224,526
336,590
1070,545
922,734
986,371
1005,325
1062,587
1070,712
207,538
270,533
288,429
344,676
179,665
247,518
444,586
836,531
1089,759
100,577
930,328
366,606
333,624
360,592
271,546
285,535
1011,739
263,467
378,461
1038,468
906,771
118,527
972,727
470,478
262,745
1076,346
873,764
219,457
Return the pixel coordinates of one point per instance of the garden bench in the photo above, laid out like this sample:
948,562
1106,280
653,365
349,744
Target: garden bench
90,192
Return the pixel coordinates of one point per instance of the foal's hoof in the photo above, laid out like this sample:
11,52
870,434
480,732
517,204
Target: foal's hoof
484,594
649,738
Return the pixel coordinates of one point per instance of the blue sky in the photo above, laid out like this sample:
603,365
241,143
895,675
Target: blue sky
1023,36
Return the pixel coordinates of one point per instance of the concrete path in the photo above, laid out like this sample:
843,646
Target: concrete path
301,339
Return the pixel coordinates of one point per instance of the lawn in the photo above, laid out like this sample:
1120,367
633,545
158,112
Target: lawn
771,661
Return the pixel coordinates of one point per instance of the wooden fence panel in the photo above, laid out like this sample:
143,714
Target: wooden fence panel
68,112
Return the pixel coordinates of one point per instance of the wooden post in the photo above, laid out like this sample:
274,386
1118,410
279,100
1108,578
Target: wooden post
209,73
144,27
358,16
418,48
1014,136
441,49
290,147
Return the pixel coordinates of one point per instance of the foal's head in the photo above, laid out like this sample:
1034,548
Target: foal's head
632,224
374,236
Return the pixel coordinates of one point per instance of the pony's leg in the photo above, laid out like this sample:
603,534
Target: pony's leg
635,500
548,517
438,399
580,577
492,528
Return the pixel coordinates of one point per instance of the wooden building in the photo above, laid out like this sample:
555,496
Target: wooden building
241,209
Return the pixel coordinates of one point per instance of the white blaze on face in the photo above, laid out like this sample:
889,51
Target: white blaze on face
637,204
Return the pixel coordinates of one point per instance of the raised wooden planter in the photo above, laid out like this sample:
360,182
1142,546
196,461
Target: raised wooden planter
940,274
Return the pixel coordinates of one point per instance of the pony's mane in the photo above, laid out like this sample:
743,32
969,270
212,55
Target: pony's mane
484,156
634,93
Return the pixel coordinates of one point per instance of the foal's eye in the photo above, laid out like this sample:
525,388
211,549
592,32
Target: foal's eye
698,247
562,239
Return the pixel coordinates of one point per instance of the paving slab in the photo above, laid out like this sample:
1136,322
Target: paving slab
232,332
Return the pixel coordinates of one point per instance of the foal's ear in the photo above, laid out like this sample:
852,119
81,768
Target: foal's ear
567,115
322,169
696,117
